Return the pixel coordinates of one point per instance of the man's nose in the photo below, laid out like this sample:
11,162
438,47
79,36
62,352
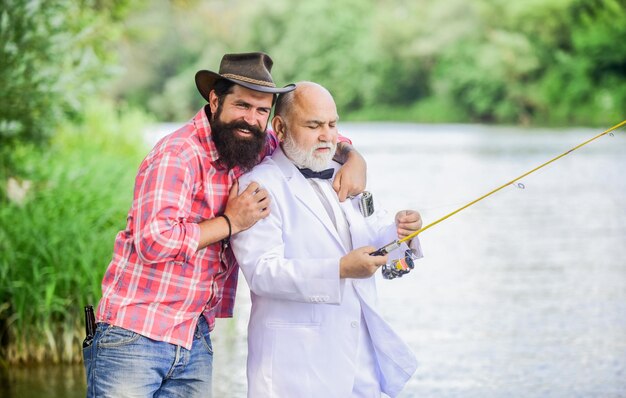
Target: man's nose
251,117
325,134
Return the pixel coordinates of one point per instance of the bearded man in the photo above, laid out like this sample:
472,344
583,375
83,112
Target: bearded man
314,330
172,271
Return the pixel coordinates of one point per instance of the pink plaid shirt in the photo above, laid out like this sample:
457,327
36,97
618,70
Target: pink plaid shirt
158,283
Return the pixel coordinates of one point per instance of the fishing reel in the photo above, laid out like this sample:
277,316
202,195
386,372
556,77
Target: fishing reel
398,267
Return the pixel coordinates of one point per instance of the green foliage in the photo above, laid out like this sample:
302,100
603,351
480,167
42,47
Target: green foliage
537,61
587,79
491,84
165,45
309,50
55,246
53,56
428,110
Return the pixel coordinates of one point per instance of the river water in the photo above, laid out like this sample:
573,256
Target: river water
520,295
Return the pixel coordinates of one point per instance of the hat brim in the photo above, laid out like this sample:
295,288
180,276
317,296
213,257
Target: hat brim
205,80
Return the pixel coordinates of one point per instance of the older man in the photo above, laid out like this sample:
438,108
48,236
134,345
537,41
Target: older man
314,330
172,271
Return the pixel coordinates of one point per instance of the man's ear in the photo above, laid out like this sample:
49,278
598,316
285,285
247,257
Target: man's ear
278,124
213,102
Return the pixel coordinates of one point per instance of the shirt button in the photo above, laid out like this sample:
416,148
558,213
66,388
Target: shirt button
354,324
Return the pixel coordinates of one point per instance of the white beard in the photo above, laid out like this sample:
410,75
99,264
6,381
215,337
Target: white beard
308,158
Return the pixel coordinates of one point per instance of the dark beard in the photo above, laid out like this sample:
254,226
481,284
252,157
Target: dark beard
235,151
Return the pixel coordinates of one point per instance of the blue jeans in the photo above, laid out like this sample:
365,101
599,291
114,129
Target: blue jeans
121,363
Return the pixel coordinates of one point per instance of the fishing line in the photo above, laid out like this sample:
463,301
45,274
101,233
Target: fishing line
403,266
427,208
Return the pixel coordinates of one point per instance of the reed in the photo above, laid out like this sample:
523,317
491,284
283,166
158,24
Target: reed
55,246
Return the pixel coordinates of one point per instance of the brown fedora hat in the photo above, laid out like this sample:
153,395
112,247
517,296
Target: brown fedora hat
250,70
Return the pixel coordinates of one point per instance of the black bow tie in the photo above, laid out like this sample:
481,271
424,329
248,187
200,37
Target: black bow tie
324,174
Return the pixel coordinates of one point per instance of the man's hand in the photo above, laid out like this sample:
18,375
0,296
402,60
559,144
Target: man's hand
407,222
246,209
351,178
359,264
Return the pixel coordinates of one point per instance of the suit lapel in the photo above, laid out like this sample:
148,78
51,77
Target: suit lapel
302,190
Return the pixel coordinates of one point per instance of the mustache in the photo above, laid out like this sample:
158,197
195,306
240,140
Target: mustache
325,145
242,125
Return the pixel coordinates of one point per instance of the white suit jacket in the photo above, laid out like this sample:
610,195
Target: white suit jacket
302,337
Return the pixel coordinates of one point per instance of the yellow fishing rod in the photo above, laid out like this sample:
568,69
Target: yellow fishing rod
403,266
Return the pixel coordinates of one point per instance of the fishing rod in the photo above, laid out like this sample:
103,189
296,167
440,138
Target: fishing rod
404,265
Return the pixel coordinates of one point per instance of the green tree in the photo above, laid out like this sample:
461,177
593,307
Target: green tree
166,43
325,41
586,80
53,55
536,61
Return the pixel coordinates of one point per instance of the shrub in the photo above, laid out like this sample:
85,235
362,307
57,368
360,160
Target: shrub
55,246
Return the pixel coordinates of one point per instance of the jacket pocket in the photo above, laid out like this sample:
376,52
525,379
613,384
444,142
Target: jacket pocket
294,350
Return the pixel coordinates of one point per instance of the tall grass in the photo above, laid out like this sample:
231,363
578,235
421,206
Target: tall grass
55,246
